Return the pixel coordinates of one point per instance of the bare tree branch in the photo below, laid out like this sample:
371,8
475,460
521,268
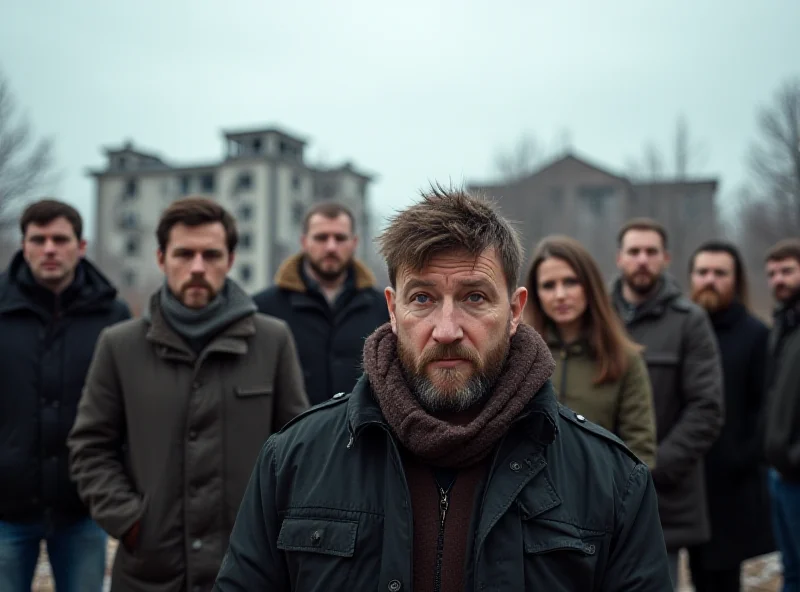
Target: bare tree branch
689,157
26,164
520,161
775,166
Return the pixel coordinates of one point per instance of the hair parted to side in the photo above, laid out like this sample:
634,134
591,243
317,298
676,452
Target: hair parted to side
643,224
608,341
788,248
196,211
449,220
331,210
719,246
44,211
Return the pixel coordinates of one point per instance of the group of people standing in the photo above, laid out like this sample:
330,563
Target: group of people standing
448,446
713,409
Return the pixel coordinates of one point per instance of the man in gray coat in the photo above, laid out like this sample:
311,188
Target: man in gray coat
683,361
177,406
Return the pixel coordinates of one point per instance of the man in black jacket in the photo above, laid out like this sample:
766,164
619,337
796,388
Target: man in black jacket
683,362
451,466
782,441
735,475
329,300
53,306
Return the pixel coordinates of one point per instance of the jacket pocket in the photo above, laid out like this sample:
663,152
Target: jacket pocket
245,392
557,552
326,536
319,552
661,358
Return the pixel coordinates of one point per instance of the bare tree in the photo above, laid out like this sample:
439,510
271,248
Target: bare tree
775,159
689,157
522,160
769,205
26,164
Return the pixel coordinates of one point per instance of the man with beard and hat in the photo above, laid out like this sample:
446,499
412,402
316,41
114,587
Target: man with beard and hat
451,465
782,440
683,362
736,482
176,407
329,300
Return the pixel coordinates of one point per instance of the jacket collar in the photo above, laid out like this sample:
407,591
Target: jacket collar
92,291
539,418
289,275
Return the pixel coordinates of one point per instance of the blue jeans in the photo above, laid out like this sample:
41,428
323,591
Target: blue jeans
786,524
77,555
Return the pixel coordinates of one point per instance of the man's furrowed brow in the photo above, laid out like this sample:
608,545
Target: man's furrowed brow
416,283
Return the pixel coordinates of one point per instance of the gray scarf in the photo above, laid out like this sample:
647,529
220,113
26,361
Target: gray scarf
199,326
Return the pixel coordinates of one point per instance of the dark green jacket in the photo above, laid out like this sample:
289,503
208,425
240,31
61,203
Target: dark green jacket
565,507
624,407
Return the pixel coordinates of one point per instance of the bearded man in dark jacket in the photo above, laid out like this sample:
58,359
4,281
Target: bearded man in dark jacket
782,423
736,484
450,466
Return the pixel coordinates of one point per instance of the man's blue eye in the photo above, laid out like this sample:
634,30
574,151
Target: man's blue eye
475,297
421,298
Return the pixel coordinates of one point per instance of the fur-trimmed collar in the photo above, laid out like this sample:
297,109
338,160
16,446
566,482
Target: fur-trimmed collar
288,276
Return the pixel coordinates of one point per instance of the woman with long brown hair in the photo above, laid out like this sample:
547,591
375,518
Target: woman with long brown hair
599,370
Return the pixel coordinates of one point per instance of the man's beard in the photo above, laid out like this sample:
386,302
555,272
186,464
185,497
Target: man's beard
329,275
459,392
785,294
711,300
641,282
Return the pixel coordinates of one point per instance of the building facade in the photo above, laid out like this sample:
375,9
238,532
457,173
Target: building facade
263,180
574,197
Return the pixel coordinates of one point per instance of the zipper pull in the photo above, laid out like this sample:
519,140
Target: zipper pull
444,504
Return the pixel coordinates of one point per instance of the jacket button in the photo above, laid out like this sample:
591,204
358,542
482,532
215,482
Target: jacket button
316,537
515,466
197,544
580,417
395,585
193,435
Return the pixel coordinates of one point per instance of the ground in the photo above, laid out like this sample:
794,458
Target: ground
760,575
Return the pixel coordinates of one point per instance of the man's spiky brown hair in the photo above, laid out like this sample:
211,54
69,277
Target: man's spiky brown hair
449,220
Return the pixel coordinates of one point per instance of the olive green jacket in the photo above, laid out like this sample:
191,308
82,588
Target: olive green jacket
624,408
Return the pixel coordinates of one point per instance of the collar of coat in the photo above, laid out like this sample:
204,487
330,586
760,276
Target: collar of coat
540,416
231,340
288,276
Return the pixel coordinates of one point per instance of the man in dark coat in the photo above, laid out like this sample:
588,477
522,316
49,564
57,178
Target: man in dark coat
329,300
53,305
451,466
177,406
782,426
683,362
736,485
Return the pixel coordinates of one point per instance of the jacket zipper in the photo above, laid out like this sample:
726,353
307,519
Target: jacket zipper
444,504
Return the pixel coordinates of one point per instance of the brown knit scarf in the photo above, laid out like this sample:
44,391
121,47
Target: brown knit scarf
437,441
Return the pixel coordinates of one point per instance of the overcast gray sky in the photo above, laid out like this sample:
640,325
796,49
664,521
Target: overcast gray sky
417,91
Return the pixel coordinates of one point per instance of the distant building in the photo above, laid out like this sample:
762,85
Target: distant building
262,180
574,197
